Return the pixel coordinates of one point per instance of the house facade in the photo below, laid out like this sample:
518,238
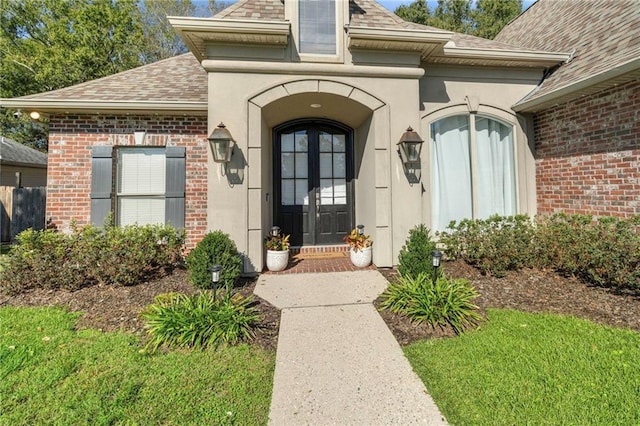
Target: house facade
316,95
586,112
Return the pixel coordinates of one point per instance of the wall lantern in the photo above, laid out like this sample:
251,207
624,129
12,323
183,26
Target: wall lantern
436,256
215,277
410,146
222,144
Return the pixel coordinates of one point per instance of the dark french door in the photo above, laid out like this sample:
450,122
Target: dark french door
313,188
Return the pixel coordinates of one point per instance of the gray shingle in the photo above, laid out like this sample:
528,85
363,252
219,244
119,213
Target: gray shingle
12,152
604,33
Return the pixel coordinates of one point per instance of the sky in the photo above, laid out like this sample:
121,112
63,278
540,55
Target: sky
393,4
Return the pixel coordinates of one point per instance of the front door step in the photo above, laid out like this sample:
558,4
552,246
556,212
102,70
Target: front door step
320,252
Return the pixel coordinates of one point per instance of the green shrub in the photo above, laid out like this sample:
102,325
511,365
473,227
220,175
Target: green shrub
90,255
494,245
199,321
440,303
415,255
216,248
604,252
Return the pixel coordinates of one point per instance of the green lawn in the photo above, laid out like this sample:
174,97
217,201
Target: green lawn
52,374
522,368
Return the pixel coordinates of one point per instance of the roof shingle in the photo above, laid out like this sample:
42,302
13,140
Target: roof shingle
603,34
12,152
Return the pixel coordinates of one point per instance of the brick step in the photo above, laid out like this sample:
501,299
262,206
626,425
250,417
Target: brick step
337,248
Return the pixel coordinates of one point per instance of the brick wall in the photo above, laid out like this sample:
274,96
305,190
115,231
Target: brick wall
588,154
71,138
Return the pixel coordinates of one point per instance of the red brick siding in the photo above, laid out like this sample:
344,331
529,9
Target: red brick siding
588,154
71,138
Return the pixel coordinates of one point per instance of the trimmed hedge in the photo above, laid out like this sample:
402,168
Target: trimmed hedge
216,248
110,255
415,255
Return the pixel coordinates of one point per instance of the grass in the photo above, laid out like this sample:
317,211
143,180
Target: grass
52,374
537,369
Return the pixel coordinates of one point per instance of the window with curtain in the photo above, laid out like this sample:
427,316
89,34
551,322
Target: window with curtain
141,186
317,26
472,169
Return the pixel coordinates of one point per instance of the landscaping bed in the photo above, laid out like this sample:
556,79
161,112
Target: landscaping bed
111,308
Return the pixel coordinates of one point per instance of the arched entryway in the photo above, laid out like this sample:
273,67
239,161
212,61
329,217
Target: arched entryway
313,169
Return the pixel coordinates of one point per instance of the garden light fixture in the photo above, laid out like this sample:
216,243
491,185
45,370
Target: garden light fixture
275,231
410,146
436,256
215,277
360,229
222,144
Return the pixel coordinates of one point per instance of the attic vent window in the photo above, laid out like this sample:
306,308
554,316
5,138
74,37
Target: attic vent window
317,20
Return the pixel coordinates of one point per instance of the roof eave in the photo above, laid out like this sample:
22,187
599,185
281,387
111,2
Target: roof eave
83,105
22,164
543,59
410,40
597,82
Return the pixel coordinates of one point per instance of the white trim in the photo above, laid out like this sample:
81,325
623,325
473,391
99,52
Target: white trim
549,58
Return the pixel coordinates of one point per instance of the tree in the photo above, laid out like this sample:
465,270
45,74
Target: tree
161,40
491,16
482,18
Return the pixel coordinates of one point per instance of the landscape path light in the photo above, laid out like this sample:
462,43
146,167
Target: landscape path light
215,278
360,229
436,257
275,231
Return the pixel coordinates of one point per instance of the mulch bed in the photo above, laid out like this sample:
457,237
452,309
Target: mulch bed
118,308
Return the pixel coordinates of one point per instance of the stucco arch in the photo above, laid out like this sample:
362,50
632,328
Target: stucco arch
350,101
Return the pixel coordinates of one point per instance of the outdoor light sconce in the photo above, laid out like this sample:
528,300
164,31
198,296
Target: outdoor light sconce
436,256
222,144
215,277
410,146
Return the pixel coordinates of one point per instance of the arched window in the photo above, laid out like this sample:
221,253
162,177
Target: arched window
472,169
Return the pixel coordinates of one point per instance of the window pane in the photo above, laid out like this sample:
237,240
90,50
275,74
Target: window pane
450,171
339,143
302,145
302,192
302,165
141,171
326,166
317,28
141,211
286,142
495,168
326,188
325,142
288,192
339,165
287,165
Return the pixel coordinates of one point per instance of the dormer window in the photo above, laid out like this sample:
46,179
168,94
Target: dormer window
317,27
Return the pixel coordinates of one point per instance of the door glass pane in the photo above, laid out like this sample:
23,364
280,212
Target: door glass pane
287,192
495,168
325,142
340,187
302,192
339,165
287,165
302,165
326,166
326,191
339,144
450,171
301,141
286,144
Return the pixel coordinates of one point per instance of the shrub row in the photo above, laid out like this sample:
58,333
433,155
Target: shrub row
110,255
603,251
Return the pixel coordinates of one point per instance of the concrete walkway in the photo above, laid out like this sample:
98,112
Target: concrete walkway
337,362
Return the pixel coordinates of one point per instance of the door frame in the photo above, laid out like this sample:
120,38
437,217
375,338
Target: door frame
276,165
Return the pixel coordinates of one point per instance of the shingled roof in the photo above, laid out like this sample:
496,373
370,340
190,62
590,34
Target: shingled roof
16,154
603,35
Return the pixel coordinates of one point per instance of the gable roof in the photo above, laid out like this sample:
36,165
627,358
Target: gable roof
604,36
176,84
16,154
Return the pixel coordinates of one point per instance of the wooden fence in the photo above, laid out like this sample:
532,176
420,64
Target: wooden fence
21,208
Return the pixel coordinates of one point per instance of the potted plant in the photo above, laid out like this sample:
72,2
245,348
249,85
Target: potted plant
277,245
359,247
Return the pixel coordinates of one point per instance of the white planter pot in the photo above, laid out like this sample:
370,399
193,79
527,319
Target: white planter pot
277,260
361,258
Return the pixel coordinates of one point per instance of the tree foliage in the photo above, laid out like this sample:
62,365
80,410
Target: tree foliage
482,18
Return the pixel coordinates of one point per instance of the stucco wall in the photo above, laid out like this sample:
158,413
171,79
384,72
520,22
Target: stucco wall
71,138
588,154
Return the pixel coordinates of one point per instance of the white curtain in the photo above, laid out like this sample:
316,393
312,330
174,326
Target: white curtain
450,171
495,169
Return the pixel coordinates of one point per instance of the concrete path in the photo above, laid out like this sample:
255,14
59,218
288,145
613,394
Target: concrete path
337,362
